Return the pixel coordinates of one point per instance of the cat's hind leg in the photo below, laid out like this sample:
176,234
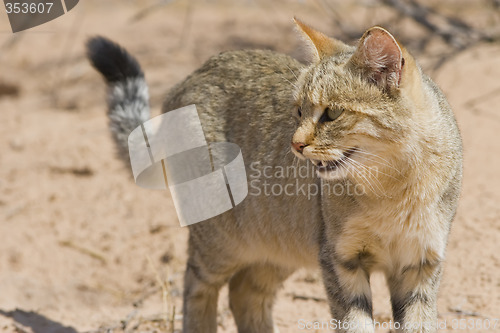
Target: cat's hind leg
252,292
205,274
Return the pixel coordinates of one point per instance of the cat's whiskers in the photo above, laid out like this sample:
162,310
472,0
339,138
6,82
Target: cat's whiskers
291,71
385,162
325,157
378,184
385,165
294,163
352,165
361,150
345,164
369,168
323,154
293,84
376,188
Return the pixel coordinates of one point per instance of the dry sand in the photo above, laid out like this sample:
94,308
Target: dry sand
82,247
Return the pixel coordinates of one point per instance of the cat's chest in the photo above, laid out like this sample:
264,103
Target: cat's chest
393,236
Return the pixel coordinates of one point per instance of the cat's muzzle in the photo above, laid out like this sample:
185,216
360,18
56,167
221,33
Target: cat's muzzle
331,165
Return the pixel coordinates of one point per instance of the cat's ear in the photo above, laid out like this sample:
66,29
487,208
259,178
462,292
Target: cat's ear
321,45
380,58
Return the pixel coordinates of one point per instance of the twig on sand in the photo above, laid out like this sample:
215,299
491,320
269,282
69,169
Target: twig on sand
89,252
128,319
169,320
471,103
455,32
306,298
139,301
21,329
156,318
148,10
458,311
122,325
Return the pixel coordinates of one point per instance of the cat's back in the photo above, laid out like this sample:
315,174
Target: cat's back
240,91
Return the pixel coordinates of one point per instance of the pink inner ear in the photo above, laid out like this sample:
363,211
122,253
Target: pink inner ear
382,57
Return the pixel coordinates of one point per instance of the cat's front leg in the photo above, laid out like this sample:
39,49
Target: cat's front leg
348,288
414,291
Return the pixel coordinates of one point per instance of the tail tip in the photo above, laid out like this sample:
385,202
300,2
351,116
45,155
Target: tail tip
112,60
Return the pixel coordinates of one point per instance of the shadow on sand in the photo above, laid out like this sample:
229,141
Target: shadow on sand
37,323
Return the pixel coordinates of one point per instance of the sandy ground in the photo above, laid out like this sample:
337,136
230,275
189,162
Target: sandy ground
83,249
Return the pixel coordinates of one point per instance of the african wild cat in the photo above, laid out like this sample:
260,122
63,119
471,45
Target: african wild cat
363,116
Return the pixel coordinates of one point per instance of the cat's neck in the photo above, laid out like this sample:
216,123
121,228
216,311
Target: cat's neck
416,171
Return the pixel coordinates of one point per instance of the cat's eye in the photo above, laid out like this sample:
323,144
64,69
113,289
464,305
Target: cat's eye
331,114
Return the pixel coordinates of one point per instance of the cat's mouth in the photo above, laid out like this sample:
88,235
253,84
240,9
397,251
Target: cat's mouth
332,165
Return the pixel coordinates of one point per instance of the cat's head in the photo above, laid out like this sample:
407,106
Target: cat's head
354,104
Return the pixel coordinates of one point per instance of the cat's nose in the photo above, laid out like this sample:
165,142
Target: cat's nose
298,146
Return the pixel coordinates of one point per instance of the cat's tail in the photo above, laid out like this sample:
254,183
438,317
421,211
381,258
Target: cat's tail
128,105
